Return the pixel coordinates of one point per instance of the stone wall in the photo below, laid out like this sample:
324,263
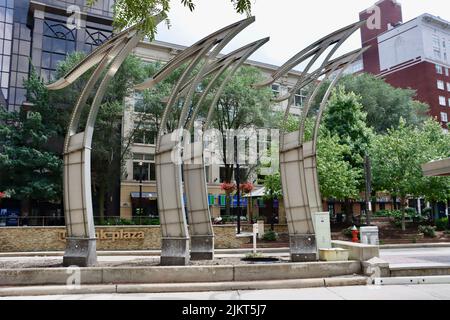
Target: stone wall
33,239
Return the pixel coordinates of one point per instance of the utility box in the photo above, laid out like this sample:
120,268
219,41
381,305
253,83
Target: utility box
370,235
321,221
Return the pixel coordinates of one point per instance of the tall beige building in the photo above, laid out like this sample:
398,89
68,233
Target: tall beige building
141,162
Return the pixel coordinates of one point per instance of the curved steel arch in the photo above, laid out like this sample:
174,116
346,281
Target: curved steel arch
195,184
175,234
81,241
298,163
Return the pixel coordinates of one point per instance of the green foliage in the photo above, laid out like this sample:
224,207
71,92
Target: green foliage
270,236
348,232
29,167
383,103
272,185
442,224
338,179
127,222
130,12
397,158
345,119
254,255
428,231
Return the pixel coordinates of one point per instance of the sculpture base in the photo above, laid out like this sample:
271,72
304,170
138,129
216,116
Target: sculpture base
80,252
202,248
303,248
175,252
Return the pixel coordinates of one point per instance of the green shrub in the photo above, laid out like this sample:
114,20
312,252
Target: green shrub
442,224
348,232
270,236
382,213
254,255
410,212
428,231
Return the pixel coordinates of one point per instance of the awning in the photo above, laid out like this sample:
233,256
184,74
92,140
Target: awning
437,168
257,193
145,195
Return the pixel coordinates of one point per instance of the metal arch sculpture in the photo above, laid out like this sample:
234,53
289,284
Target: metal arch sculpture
298,161
81,241
175,234
195,184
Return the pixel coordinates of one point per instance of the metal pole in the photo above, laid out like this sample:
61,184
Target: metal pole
140,187
368,178
238,185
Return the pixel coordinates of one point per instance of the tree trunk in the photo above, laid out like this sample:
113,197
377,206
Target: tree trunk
101,202
349,210
228,204
24,211
403,206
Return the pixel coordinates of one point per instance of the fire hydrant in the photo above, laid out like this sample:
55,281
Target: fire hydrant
355,233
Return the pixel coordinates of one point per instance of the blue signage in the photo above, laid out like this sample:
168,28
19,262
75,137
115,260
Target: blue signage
12,218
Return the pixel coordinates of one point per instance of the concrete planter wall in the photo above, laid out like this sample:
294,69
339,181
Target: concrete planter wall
34,239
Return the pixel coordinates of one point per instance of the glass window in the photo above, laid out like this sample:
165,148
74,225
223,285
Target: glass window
439,69
300,98
440,85
444,117
442,101
145,171
437,53
7,47
448,86
5,79
446,72
276,90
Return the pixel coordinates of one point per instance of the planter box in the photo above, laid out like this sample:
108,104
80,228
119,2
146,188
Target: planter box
335,254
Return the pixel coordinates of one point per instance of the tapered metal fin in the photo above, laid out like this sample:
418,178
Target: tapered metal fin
192,51
312,50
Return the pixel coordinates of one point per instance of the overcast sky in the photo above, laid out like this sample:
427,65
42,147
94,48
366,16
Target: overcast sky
291,24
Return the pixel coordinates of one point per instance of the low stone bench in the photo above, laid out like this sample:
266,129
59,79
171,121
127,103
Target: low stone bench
358,251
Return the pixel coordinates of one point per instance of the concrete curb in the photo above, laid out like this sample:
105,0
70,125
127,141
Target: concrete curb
419,271
185,287
415,245
158,274
136,252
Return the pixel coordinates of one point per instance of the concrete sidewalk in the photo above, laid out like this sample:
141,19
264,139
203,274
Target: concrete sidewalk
181,287
404,292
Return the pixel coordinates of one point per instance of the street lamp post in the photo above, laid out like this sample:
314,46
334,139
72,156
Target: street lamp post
368,178
141,164
238,186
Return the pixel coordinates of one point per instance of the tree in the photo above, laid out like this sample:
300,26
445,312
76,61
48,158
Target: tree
345,119
383,103
33,141
129,12
109,147
29,169
397,158
241,107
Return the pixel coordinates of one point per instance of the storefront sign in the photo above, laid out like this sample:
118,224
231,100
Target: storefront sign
111,235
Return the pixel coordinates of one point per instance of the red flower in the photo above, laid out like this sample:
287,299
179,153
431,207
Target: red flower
247,187
2,195
228,187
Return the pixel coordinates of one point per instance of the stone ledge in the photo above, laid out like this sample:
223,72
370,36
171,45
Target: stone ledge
185,287
141,275
358,251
